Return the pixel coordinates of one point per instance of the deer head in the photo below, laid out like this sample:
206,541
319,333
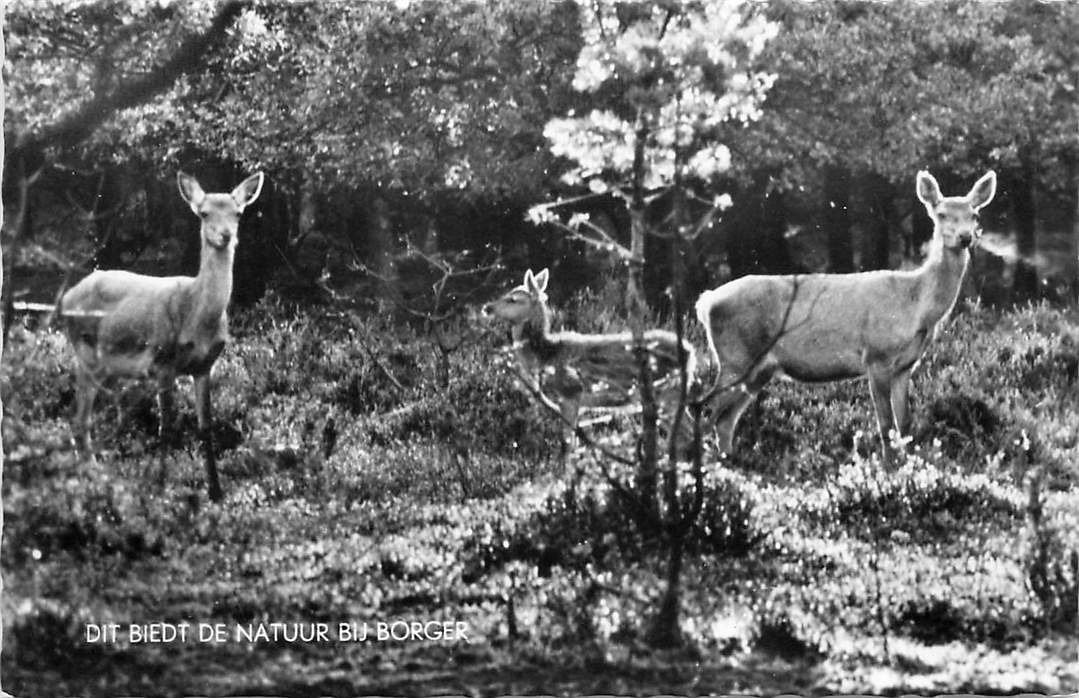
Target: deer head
219,213
955,218
522,302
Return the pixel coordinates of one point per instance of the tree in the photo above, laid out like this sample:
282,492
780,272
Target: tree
101,63
663,78
872,92
3,111
391,106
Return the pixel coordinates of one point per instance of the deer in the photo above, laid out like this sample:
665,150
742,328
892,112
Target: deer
122,324
819,328
592,371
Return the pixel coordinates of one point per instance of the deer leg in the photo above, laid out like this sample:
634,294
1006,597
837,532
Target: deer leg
880,387
206,436
734,400
729,410
85,392
166,412
569,409
166,387
901,402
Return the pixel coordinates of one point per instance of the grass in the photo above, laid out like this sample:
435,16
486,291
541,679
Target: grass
360,487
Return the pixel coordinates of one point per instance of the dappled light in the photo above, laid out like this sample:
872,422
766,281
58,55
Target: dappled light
489,300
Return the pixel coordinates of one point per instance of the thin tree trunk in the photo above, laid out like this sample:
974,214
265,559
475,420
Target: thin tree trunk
380,246
22,226
638,230
2,144
837,219
921,229
757,243
106,202
665,631
881,208
636,309
1072,267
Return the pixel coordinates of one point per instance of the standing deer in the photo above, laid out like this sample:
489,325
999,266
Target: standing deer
125,324
829,327
586,370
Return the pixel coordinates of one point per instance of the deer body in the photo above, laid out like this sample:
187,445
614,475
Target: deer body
586,370
122,324
829,327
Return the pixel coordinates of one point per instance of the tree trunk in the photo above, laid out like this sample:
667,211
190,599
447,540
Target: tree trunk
636,309
109,245
264,245
22,230
665,631
921,229
756,243
380,246
837,219
638,231
2,132
77,125
1071,269
879,196
1025,283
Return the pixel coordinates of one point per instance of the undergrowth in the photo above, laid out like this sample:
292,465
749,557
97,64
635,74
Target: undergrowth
363,482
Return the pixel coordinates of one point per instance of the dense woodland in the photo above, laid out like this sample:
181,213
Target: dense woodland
384,126
379,455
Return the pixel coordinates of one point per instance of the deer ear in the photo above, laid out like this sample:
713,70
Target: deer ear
541,280
928,189
983,190
248,190
530,281
190,189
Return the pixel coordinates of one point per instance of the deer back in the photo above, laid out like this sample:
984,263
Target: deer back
122,323
816,327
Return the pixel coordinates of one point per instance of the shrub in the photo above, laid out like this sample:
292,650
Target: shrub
590,525
921,500
1051,560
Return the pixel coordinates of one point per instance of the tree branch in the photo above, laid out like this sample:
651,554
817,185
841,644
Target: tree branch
78,125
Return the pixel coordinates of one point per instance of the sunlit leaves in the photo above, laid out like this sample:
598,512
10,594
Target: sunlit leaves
669,75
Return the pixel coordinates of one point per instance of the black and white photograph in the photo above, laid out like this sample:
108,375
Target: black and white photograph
539,347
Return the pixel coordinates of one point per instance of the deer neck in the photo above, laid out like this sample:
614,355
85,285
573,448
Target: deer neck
941,278
213,285
533,337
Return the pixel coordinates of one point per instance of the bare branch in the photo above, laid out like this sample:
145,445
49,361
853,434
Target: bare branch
536,390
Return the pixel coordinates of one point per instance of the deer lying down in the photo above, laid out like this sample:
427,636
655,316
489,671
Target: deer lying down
131,325
586,370
828,327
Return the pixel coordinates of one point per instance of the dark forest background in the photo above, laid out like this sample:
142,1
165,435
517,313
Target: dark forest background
395,130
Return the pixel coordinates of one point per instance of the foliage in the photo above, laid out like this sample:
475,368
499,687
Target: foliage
664,78
434,97
889,88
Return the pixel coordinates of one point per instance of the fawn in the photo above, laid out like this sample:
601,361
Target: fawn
597,371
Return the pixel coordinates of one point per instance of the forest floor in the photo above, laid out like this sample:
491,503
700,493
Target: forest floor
363,484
